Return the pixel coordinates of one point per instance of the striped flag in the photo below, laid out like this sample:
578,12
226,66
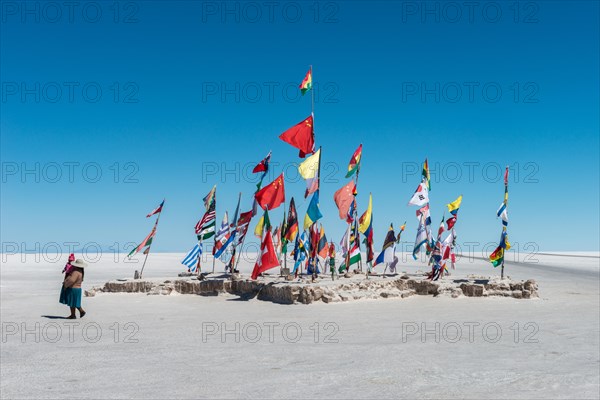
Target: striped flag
242,225
205,228
222,237
191,259
146,242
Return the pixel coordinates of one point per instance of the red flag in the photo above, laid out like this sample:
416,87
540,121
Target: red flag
263,165
344,197
268,257
272,195
506,176
301,136
451,221
156,210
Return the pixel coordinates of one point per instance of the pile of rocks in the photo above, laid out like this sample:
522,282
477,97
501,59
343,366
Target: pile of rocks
279,290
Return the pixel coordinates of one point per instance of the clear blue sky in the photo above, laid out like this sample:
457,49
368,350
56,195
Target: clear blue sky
374,62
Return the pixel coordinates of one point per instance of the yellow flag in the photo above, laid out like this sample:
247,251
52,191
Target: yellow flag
455,205
365,219
258,231
309,167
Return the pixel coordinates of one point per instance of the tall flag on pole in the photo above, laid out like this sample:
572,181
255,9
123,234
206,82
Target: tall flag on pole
146,242
242,226
309,170
306,84
365,220
497,256
453,208
263,167
312,213
205,228
291,226
210,198
272,195
426,174
344,197
156,210
301,136
322,245
387,251
354,163
421,196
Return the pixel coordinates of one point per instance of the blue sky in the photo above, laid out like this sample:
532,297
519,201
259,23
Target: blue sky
185,91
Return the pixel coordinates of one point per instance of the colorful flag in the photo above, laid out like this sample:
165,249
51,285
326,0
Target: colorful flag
306,84
263,222
497,257
426,174
242,226
272,195
205,228
421,196
291,228
322,245
354,164
268,257
146,242
387,250
313,214
191,259
344,197
365,219
309,170
263,166
455,205
453,208
222,236
354,258
210,198
301,136
156,210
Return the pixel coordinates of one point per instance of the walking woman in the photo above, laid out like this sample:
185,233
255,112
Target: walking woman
70,294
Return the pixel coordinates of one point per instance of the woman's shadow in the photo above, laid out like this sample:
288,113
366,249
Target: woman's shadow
53,317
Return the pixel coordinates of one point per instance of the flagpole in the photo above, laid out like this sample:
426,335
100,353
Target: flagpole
215,235
281,242
356,212
312,91
504,226
155,226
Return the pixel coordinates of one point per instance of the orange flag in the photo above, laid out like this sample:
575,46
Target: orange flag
272,195
343,198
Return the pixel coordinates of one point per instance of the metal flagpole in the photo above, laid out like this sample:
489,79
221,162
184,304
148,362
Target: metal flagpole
504,226
215,236
154,229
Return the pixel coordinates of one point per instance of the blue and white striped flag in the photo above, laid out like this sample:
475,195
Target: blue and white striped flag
191,260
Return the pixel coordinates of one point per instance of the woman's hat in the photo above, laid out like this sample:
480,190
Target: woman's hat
79,263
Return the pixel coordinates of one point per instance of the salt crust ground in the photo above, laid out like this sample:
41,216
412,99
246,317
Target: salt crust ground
363,350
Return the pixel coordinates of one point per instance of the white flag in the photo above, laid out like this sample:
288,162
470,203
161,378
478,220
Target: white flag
421,196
